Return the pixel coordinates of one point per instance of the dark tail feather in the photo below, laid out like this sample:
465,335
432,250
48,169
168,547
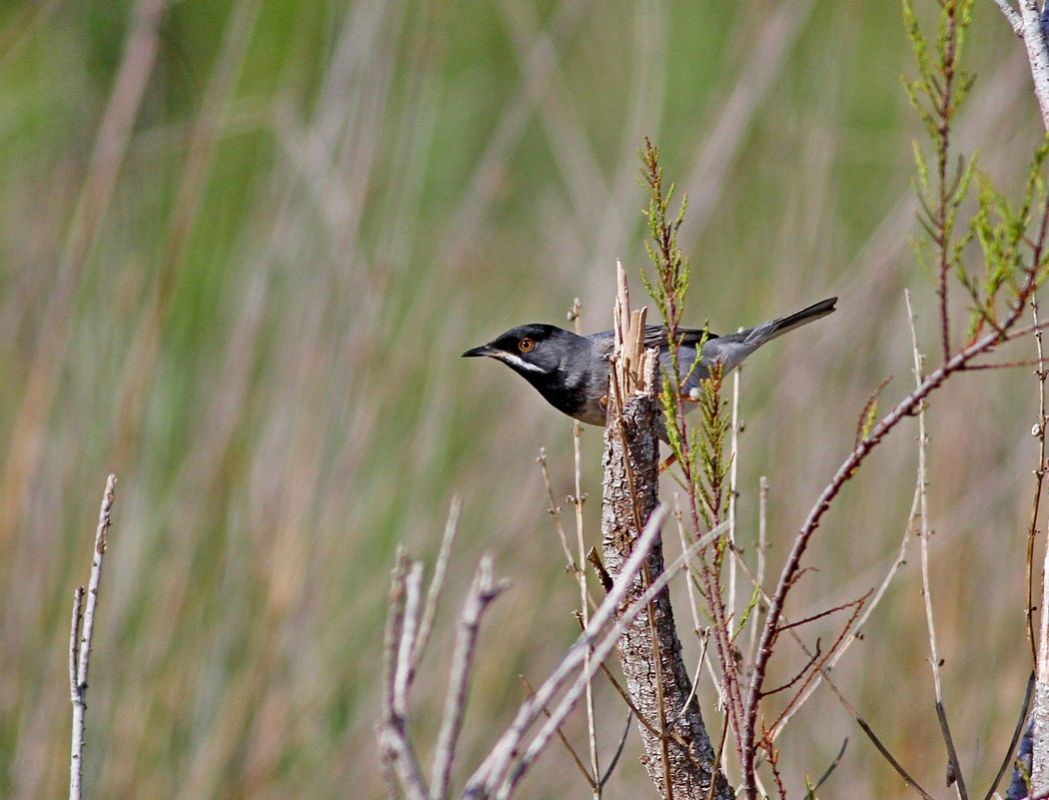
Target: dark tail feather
780,326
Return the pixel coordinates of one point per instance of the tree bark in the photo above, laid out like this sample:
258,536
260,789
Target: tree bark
679,755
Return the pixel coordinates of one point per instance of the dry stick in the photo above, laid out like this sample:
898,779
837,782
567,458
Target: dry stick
80,661
555,513
904,408
575,315
397,751
734,450
405,674
763,499
482,593
76,769
433,594
923,484
1040,762
1039,474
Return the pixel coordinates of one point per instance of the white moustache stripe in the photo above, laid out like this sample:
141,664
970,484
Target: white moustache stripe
517,361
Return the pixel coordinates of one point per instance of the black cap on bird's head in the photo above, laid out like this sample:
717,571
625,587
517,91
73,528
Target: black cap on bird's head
533,350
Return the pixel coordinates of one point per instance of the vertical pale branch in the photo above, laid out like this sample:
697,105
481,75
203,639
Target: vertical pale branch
737,428
574,315
1040,714
83,626
1039,474
650,651
930,621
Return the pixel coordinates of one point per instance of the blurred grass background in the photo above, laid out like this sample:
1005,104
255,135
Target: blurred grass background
242,245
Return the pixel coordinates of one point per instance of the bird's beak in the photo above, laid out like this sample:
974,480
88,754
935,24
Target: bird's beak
477,352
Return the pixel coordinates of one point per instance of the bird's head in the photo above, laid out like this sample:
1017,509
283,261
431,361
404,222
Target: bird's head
533,351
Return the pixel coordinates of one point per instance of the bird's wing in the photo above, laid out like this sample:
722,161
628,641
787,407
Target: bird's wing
656,336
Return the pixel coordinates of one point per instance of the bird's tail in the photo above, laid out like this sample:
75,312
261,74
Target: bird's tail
778,327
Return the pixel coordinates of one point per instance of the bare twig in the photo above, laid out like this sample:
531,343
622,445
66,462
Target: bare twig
79,661
396,749
762,550
733,490
1039,475
555,513
433,593
484,590
923,483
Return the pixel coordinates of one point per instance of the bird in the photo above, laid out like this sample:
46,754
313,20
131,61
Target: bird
571,371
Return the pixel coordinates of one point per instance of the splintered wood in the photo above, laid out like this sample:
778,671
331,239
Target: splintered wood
632,363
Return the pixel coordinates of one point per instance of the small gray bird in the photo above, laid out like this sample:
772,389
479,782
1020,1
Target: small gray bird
571,371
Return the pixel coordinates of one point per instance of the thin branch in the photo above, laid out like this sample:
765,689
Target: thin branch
578,499
554,511
433,594
799,675
867,729
79,662
1039,474
405,674
483,591
395,747
737,429
76,771
923,483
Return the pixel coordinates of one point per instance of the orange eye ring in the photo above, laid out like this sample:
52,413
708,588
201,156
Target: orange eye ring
526,345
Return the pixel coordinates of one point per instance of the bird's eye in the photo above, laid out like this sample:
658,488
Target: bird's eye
526,345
